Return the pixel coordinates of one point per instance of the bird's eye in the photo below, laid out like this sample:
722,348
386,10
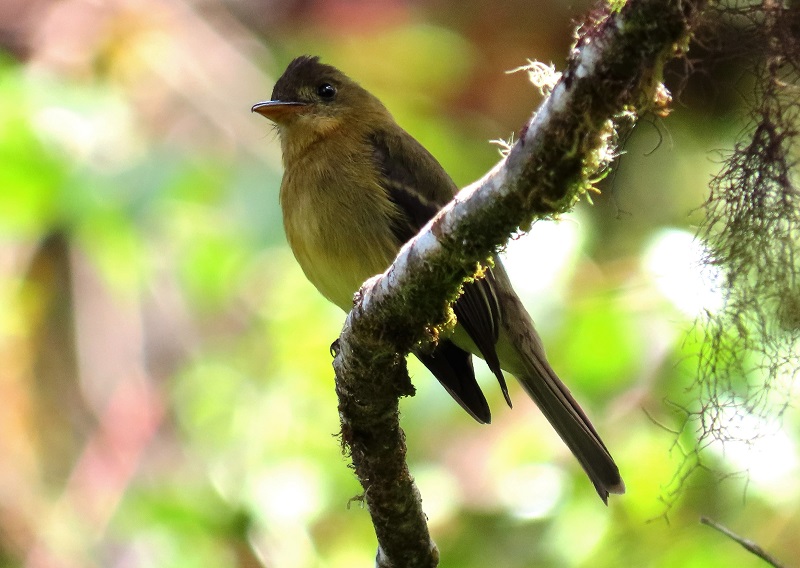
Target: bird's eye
326,91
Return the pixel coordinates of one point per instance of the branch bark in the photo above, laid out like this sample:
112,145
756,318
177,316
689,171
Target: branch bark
613,74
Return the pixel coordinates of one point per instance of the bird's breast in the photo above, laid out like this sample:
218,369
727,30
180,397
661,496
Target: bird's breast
337,220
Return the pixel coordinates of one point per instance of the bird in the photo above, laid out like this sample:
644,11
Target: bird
355,188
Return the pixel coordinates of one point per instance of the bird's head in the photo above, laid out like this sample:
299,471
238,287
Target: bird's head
311,99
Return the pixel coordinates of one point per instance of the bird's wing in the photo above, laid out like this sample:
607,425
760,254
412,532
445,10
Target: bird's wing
419,187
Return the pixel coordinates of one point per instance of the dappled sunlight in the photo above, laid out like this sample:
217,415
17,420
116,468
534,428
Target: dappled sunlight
101,138
441,493
288,493
674,260
762,451
541,261
531,491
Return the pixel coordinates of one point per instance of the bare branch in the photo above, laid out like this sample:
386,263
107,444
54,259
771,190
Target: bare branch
747,544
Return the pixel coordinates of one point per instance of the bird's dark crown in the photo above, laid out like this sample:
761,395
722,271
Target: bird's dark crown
305,72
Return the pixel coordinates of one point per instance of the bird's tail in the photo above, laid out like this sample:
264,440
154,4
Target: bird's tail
571,423
521,353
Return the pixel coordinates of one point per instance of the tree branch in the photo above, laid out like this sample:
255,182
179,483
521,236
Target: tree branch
747,544
614,72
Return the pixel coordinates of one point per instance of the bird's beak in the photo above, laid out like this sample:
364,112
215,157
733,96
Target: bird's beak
278,111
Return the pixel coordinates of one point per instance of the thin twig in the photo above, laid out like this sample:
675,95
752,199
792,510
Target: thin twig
746,543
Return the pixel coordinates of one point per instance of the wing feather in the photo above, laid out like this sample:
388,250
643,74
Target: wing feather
418,186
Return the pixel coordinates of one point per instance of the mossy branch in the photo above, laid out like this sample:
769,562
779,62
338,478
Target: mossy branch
613,74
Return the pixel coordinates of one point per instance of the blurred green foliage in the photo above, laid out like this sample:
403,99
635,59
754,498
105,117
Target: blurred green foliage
177,351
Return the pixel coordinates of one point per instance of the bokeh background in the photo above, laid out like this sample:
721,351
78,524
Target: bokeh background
166,391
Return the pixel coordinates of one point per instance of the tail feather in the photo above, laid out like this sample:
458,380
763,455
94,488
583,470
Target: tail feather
521,352
572,425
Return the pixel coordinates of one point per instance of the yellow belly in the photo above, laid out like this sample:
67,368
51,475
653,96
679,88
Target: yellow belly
338,245
334,271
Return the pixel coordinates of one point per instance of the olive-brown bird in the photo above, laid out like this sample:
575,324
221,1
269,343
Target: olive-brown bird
356,186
